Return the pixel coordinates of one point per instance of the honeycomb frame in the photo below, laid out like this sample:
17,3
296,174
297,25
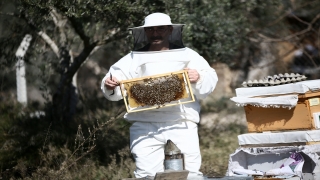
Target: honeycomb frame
135,104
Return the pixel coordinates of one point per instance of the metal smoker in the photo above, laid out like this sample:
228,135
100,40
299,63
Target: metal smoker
174,159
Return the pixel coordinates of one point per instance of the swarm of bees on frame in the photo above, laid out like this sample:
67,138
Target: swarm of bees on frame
158,91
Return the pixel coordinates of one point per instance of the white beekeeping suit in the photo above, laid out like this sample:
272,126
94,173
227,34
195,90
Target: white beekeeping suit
151,129
139,64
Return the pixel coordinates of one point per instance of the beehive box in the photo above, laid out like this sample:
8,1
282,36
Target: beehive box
261,119
153,92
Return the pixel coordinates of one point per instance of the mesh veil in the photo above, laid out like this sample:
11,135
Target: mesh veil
141,40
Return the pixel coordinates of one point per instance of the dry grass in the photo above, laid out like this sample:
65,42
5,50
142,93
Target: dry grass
218,132
100,150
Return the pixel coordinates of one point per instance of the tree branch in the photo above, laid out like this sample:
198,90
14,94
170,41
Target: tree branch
114,34
287,38
79,30
50,42
288,12
60,22
88,50
42,34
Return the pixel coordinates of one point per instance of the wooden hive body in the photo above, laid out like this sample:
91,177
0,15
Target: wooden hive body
261,119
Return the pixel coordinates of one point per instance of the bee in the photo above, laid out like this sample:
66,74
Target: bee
157,91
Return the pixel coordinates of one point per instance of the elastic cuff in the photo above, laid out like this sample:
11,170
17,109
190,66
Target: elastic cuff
200,80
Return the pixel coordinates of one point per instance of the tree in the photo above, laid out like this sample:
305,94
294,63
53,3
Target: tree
65,35
73,30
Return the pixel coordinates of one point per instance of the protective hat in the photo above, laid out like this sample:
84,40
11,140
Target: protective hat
157,19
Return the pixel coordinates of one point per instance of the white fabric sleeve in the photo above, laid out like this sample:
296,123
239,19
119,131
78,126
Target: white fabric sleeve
208,76
206,84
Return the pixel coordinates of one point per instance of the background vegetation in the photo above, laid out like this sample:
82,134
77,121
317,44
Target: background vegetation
68,130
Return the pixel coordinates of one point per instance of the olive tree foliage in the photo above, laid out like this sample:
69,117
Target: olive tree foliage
233,31
218,28
66,34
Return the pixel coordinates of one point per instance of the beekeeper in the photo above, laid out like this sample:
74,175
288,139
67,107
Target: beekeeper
158,49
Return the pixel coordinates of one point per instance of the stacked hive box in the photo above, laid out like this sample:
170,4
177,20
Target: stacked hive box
305,115
275,132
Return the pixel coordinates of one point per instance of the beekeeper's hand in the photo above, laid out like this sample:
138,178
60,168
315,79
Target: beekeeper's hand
111,83
193,75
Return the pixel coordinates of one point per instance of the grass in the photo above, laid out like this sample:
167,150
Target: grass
216,145
35,148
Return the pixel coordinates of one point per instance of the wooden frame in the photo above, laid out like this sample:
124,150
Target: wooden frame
131,104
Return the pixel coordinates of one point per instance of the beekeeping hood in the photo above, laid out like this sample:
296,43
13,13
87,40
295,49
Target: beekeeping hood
156,19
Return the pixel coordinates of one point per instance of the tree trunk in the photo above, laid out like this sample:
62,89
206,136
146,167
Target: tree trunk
65,98
20,70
